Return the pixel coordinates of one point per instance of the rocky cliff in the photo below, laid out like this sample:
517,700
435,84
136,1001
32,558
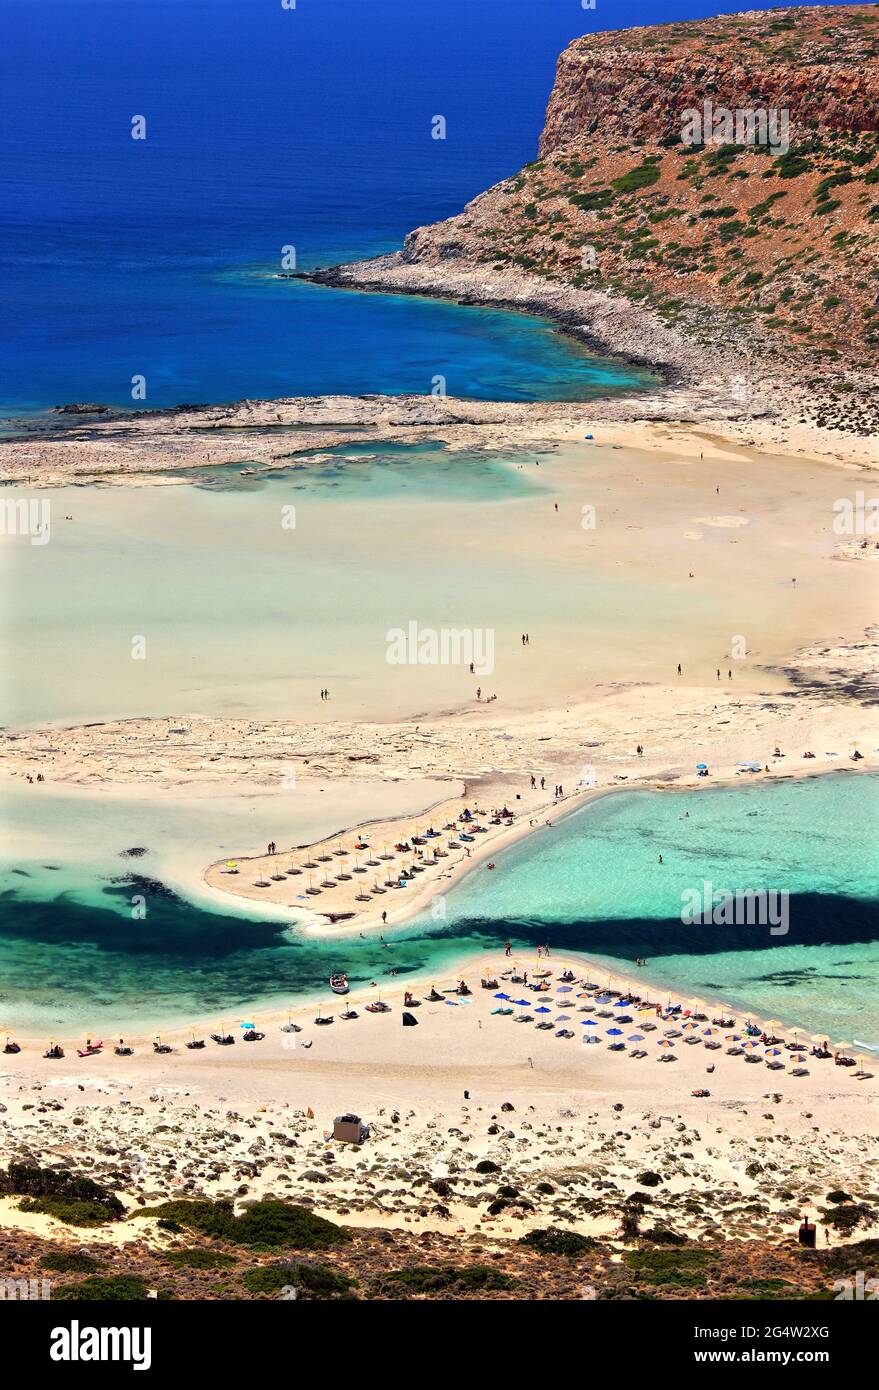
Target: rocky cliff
819,64
753,236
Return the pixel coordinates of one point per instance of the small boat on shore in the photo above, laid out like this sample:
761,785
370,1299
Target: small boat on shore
339,982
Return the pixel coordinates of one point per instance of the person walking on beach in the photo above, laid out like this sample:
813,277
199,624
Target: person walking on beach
542,783
508,948
679,668
533,781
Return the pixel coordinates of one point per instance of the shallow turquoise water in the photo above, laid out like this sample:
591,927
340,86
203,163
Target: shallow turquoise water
71,955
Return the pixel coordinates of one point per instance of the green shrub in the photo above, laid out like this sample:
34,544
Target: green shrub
113,1288
200,1258
28,1180
72,1212
552,1241
318,1280
265,1225
683,1268
643,176
594,199
435,1278
70,1262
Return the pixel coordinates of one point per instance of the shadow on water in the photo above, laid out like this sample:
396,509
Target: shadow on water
178,960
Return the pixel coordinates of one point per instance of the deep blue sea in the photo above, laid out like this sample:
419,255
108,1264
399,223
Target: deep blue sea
266,127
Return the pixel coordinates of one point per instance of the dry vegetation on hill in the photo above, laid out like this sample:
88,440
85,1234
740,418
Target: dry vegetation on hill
779,245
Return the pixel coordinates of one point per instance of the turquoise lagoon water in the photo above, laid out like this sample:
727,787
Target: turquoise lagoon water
73,955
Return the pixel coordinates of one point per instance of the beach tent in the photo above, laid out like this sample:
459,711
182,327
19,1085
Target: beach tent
350,1129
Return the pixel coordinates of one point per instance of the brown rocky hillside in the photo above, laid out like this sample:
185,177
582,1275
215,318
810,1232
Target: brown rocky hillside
783,244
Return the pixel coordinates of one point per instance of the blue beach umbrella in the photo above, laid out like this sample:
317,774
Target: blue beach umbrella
501,996
524,1002
589,1022
543,1010
614,1032
773,1051
635,1037
563,1018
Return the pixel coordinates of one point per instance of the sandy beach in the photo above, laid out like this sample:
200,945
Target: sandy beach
571,1125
